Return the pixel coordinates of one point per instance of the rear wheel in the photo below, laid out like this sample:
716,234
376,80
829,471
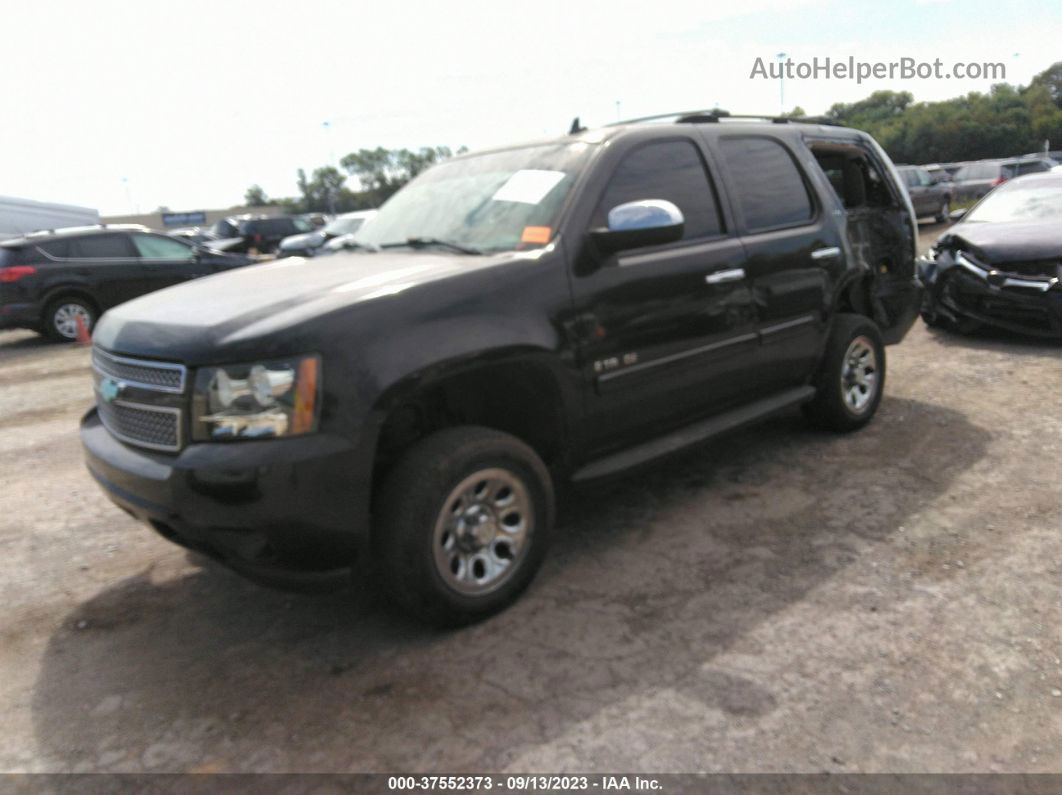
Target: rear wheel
463,524
944,212
65,317
851,377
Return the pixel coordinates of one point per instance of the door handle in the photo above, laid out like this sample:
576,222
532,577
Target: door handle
826,253
721,277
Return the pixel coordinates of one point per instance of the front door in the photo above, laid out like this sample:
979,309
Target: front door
663,332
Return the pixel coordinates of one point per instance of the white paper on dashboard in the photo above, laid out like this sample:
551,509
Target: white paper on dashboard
528,186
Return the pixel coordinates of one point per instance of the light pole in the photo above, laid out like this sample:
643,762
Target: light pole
781,82
326,125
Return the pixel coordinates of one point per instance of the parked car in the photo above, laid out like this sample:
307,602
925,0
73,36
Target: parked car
52,282
938,172
516,318
928,196
975,179
256,233
191,234
308,243
1002,265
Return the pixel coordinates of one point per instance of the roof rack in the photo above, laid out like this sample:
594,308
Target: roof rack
715,115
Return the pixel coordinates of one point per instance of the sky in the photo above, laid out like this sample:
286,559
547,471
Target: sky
126,107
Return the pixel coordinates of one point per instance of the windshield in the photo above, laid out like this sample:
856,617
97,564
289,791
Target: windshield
343,226
497,201
1020,201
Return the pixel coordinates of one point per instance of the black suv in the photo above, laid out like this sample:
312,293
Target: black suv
257,233
511,319
60,281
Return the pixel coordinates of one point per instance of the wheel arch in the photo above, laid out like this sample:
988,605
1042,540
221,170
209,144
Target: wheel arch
519,390
69,291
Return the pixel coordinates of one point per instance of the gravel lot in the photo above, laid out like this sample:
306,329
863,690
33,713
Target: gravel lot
784,600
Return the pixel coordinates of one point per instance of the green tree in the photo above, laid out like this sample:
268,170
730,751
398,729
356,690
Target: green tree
1051,80
255,197
323,190
381,172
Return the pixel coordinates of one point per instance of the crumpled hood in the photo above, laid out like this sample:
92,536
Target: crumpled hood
194,322
1011,241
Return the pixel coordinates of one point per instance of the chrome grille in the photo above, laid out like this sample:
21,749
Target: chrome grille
155,427
160,376
138,399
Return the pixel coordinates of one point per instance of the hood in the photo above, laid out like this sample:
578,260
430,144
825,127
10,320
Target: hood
197,321
305,240
1009,241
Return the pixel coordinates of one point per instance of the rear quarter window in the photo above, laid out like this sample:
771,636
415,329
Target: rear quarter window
769,186
102,247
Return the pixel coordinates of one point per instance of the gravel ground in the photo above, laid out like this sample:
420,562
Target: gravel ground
784,600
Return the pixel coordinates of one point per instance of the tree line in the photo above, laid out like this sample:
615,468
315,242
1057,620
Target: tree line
1006,121
379,173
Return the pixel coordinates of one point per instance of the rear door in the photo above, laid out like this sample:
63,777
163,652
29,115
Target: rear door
793,252
165,261
663,332
108,265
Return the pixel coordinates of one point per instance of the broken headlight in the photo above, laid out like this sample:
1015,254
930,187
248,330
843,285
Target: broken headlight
261,400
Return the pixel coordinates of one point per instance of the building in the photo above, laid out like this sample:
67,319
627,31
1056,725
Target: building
166,219
19,216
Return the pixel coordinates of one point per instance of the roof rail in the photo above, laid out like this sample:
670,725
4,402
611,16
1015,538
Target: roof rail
715,115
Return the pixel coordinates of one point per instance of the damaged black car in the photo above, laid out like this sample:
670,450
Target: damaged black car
1002,264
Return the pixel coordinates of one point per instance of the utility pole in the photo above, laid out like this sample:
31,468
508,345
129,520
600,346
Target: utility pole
327,125
781,82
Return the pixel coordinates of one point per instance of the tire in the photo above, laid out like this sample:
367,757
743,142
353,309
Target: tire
944,212
435,561
851,377
60,318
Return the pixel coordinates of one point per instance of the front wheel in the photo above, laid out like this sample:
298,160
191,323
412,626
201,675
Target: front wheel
944,212
65,318
851,377
463,524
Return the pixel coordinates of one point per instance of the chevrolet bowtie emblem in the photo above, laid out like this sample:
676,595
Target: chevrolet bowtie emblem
110,389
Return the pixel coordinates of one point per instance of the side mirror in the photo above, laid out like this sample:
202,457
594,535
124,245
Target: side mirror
956,215
650,222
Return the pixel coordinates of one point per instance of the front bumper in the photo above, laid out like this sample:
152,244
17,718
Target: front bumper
961,289
285,512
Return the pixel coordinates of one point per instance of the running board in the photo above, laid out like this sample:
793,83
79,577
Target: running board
695,433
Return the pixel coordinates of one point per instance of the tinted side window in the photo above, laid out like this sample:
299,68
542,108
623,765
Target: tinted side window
769,187
280,226
101,247
671,170
1032,167
59,249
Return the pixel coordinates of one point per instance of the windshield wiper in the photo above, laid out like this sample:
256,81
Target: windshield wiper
424,242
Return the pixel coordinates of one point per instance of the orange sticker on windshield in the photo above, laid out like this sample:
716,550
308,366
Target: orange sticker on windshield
536,234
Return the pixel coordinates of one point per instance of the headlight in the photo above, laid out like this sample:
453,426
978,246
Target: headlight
261,400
